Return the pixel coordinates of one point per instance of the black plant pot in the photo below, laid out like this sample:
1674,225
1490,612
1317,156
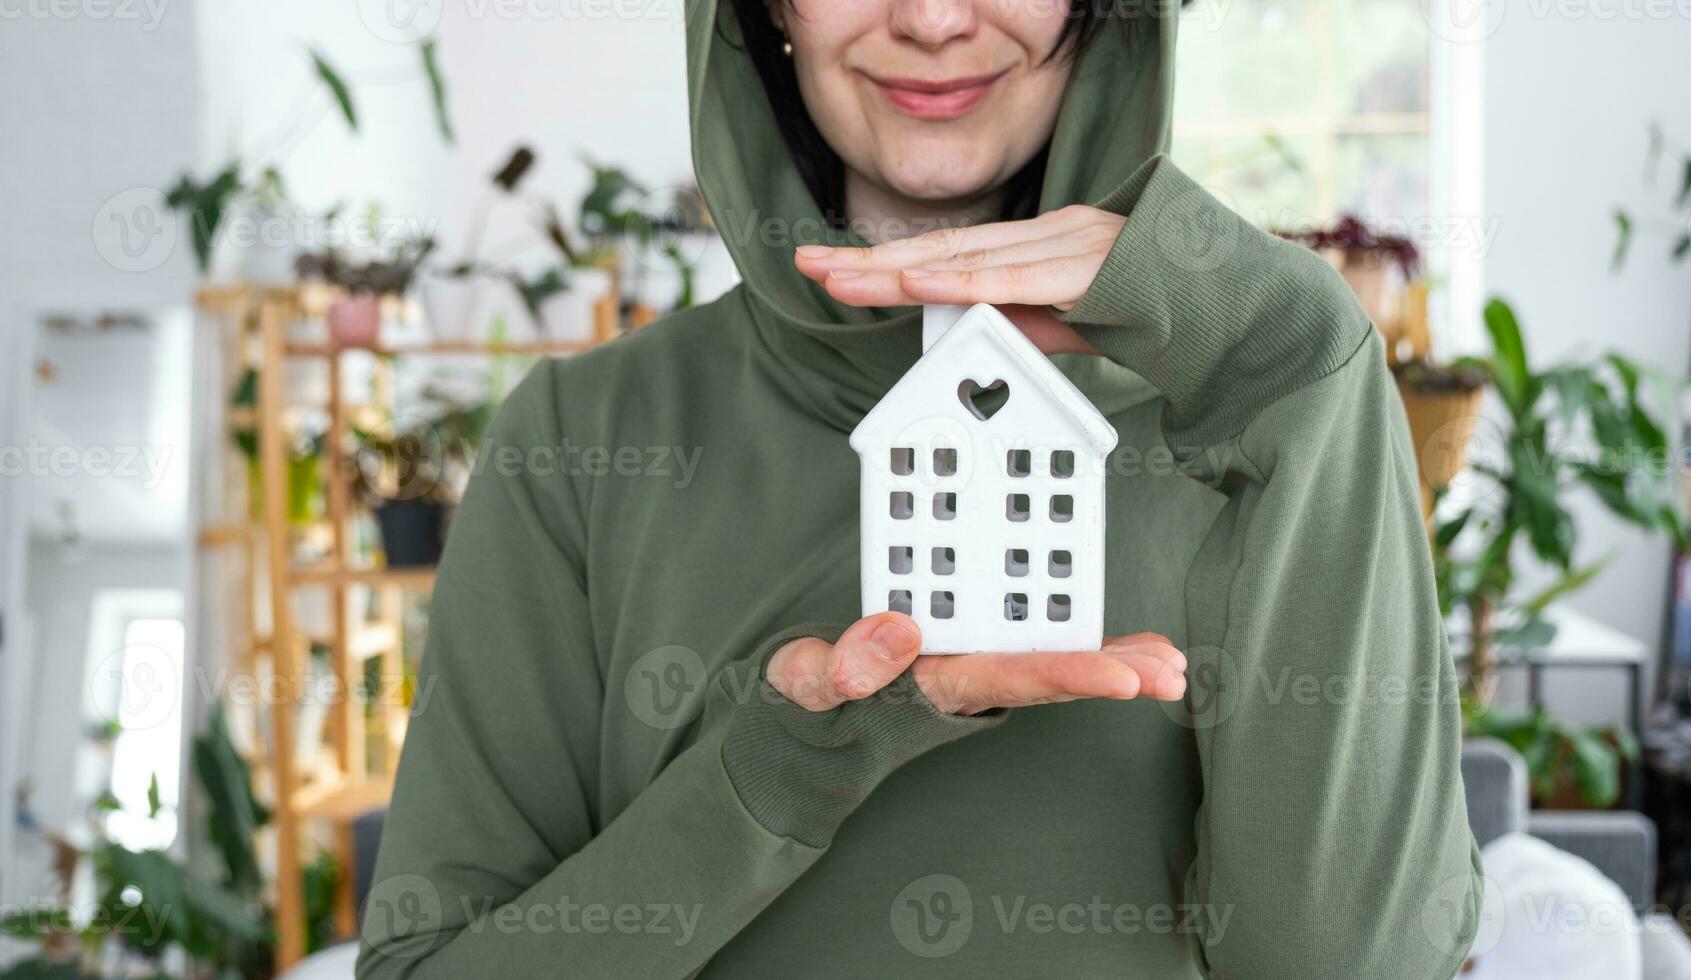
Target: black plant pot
413,532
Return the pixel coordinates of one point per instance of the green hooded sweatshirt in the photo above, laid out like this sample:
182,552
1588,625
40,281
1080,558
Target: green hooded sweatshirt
596,783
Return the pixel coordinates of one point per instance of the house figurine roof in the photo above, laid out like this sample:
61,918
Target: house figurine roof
934,378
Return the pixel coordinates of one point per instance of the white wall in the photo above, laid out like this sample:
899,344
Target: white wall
96,110
569,86
261,102
1568,98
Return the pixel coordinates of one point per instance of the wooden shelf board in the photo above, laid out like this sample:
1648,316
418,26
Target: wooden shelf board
343,799
217,535
538,348
328,574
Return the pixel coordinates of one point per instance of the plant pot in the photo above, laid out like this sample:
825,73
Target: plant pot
1440,425
413,532
455,307
256,245
356,321
570,316
305,489
1376,280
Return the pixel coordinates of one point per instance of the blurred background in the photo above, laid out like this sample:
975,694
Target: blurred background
267,269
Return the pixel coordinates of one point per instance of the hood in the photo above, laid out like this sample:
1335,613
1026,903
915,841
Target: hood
1114,118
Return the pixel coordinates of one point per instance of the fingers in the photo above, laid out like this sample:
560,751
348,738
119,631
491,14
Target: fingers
1058,282
816,260
819,675
1143,665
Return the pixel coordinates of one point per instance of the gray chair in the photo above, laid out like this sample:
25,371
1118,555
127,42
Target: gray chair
1620,844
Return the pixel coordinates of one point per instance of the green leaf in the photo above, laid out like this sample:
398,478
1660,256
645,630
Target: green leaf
437,88
337,88
1596,767
1571,582
235,814
36,921
1623,240
1509,360
1684,183
1681,247
1534,634
1447,532
205,204
41,968
153,804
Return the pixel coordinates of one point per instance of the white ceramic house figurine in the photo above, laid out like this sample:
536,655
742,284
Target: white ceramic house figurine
983,494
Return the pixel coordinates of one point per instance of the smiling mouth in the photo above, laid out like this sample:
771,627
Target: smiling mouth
936,100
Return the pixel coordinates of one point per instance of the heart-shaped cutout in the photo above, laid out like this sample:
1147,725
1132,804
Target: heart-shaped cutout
983,403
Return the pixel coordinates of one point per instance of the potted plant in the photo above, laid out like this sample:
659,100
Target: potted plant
1568,766
305,460
1517,505
261,200
455,297
1443,406
1524,480
223,926
411,476
1378,268
355,318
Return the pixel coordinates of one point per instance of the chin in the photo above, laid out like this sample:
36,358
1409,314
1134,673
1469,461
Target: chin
940,176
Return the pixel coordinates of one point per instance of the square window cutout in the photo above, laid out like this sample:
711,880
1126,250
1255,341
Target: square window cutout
1062,508
1019,463
1016,607
1062,563
1016,562
945,506
903,505
900,560
1062,464
942,605
903,462
944,561
1057,609
945,462
898,601
1017,507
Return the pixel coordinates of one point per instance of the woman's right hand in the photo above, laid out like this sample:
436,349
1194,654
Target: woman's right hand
819,675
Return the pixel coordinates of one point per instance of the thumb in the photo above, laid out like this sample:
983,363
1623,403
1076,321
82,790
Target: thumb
871,654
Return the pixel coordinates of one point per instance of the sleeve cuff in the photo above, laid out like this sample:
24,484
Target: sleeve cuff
1223,318
800,773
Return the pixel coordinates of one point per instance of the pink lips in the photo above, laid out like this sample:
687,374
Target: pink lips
936,100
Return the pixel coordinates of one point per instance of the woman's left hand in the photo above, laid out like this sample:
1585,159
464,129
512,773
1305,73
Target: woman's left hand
1027,267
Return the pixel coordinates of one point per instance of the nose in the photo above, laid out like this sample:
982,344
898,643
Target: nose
932,23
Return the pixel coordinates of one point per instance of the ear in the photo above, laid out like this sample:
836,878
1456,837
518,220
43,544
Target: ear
777,14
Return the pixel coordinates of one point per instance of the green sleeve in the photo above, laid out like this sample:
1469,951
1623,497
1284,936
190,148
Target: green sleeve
496,859
1323,700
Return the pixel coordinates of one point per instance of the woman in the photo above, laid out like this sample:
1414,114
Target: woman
659,742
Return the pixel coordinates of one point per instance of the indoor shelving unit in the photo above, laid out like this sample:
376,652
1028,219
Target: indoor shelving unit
323,793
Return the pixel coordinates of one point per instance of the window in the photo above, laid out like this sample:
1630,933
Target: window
135,695
1298,111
